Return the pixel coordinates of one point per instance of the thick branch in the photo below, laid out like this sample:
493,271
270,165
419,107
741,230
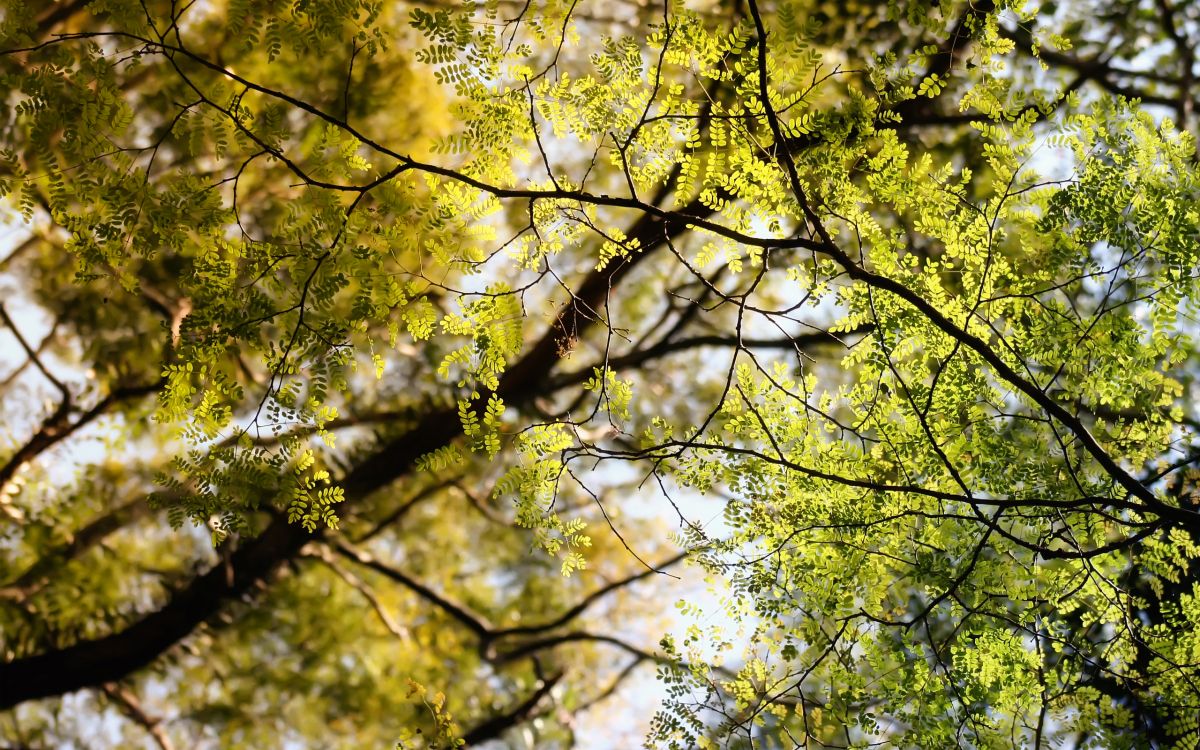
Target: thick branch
92,662
108,659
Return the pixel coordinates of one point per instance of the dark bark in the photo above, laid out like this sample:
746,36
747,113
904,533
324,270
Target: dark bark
93,662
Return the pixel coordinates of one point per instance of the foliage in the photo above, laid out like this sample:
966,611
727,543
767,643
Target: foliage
907,287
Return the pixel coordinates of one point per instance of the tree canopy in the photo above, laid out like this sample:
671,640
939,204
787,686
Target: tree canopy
374,371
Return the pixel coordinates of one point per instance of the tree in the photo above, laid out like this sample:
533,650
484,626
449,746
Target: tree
908,288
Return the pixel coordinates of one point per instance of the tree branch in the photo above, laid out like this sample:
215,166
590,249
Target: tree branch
470,620
321,552
37,574
133,708
495,726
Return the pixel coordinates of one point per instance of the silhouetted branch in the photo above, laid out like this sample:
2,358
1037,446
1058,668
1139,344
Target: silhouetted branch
495,726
